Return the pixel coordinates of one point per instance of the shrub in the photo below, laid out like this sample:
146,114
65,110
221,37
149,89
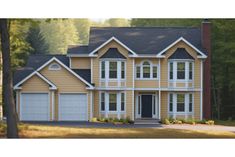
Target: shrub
116,120
210,122
122,120
94,119
166,121
110,120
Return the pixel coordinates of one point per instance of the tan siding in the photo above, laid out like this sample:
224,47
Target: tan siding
96,104
164,64
146,84
65,82
80,63
35,84
197,105
164,106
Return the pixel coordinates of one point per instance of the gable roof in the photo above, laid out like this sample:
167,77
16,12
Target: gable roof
144,40
52,86
180,53
37,62
113,53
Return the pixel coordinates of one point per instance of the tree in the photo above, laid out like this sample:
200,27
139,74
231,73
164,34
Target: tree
117,22
8,98
59,34
36,40
83,27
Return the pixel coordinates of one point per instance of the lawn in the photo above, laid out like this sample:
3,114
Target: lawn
42,131
225,123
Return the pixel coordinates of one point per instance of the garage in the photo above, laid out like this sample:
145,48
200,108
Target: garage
34,107
73,107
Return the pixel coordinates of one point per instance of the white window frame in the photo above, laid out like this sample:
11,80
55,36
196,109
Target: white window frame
151,71
186,105
119,69
175,64
54,69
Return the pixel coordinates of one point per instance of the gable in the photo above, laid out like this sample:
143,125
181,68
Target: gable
180,53
113,53
63,79
181,44
113,45
35,83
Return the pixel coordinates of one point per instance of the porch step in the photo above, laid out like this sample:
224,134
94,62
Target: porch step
147,121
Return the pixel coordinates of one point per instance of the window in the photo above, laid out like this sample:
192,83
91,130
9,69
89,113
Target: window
190,71
138,72
113,70
102,102
102,69
123,70
171,102
180,102
171,71
122,102
154,71
180,70
139,99
154,105
54,66
190,103
146,70
112,102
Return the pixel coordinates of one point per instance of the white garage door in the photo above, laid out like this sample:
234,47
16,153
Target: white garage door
34,107
73,107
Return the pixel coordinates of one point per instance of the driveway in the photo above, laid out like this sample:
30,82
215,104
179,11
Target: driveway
110,125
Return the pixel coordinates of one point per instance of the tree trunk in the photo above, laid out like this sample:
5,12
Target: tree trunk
8,98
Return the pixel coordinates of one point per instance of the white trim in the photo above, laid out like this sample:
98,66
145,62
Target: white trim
151,70
149,89
187,42
67,68
91,70
53,105
201,93
78,55
53,87
159,92
109,40
91,104
54,69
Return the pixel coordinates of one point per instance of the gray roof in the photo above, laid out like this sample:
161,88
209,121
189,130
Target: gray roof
144,40
113,53
181,53
36,61
84,73
78,49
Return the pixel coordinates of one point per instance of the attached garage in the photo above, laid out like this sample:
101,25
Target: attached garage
34,107
73,107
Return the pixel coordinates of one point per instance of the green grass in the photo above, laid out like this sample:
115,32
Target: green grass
42,131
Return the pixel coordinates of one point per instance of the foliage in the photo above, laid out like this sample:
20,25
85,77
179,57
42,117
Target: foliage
210,122
83,27
117,22
113,120
37,40
59,34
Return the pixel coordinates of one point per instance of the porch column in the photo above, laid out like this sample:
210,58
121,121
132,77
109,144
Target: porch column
106,104
118,105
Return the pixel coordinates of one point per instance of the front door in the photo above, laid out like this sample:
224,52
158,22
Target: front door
146,106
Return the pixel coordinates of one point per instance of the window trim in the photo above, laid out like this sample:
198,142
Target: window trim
54,69
151,71
175,64
116,102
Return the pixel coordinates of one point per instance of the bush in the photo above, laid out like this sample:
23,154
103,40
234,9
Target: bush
110,120
210,122
116,120
166,121
3,128
94,119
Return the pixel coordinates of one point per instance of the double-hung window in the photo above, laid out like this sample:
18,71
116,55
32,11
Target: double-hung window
146,70
171,102
190,71
102,102
113,70
123,70
122,101
180,70
180,103
190,103
103,69
112,102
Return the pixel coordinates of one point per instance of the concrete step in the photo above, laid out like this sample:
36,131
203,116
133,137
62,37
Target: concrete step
147,121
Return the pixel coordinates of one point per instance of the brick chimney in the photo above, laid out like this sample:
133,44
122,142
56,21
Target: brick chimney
206,43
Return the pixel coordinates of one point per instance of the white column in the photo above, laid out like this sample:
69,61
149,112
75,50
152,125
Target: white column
106,73
106,104
118,105
159,92
119,73
187,74
91,104
201,95
53,105
186,101
174,105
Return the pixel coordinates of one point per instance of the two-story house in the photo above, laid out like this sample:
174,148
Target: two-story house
134,72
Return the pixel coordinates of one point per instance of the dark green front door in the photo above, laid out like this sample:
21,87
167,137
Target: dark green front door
146,106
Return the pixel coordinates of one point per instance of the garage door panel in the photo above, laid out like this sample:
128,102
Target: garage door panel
34,106
73,107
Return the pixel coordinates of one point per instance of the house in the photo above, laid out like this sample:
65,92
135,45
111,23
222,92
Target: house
134,72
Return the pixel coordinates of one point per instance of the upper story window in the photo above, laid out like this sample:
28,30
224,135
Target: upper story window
54,66
146,70
180,70
112,69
